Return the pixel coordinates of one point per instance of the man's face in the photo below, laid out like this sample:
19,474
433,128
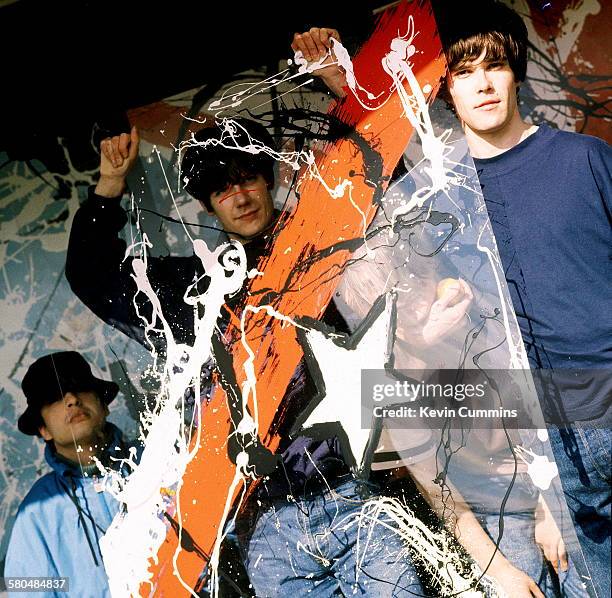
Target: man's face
77,419
484,95
245,209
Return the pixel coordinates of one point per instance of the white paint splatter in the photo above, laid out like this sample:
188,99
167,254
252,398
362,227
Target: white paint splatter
540,468
136,535
435,551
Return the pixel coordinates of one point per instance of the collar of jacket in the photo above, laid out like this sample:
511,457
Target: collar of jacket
64,467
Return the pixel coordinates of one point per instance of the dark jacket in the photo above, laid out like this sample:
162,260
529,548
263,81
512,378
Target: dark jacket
99,273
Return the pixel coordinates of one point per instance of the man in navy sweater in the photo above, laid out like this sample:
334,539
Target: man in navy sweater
549,198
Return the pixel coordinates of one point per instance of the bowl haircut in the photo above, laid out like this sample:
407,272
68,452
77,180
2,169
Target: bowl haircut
468,29
217,160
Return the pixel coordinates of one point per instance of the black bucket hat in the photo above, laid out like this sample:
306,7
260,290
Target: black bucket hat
49,378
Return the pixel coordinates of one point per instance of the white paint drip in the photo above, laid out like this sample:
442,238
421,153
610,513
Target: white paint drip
518,357
396,64
242,92
433,550
35,231
144,499
296,160
135,536
540,468
247,428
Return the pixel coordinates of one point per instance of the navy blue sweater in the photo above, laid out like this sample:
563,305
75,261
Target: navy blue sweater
549,199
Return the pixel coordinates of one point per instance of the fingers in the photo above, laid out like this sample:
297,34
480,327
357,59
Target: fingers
331,33
324,38
106,149
314,43
305,43
467,290
121,148
134,143
535,591
317,42
461,308
556,555
110,150
451,295
465,297
550,553
298,45
117,157
457,295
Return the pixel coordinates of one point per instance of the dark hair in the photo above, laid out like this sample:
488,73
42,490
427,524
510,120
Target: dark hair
208,167
466,29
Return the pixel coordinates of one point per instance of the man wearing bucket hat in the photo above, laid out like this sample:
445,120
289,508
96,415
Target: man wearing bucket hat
64,515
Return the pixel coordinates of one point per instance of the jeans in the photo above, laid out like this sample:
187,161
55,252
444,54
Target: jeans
519,547
517,542
582,453
317,546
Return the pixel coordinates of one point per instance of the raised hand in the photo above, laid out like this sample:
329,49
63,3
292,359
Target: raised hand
117,157
316,45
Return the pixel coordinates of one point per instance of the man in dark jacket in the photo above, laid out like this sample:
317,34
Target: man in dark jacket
235,186
64,515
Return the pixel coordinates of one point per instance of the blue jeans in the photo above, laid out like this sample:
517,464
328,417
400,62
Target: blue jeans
582,453
517,542
518,546
316,546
